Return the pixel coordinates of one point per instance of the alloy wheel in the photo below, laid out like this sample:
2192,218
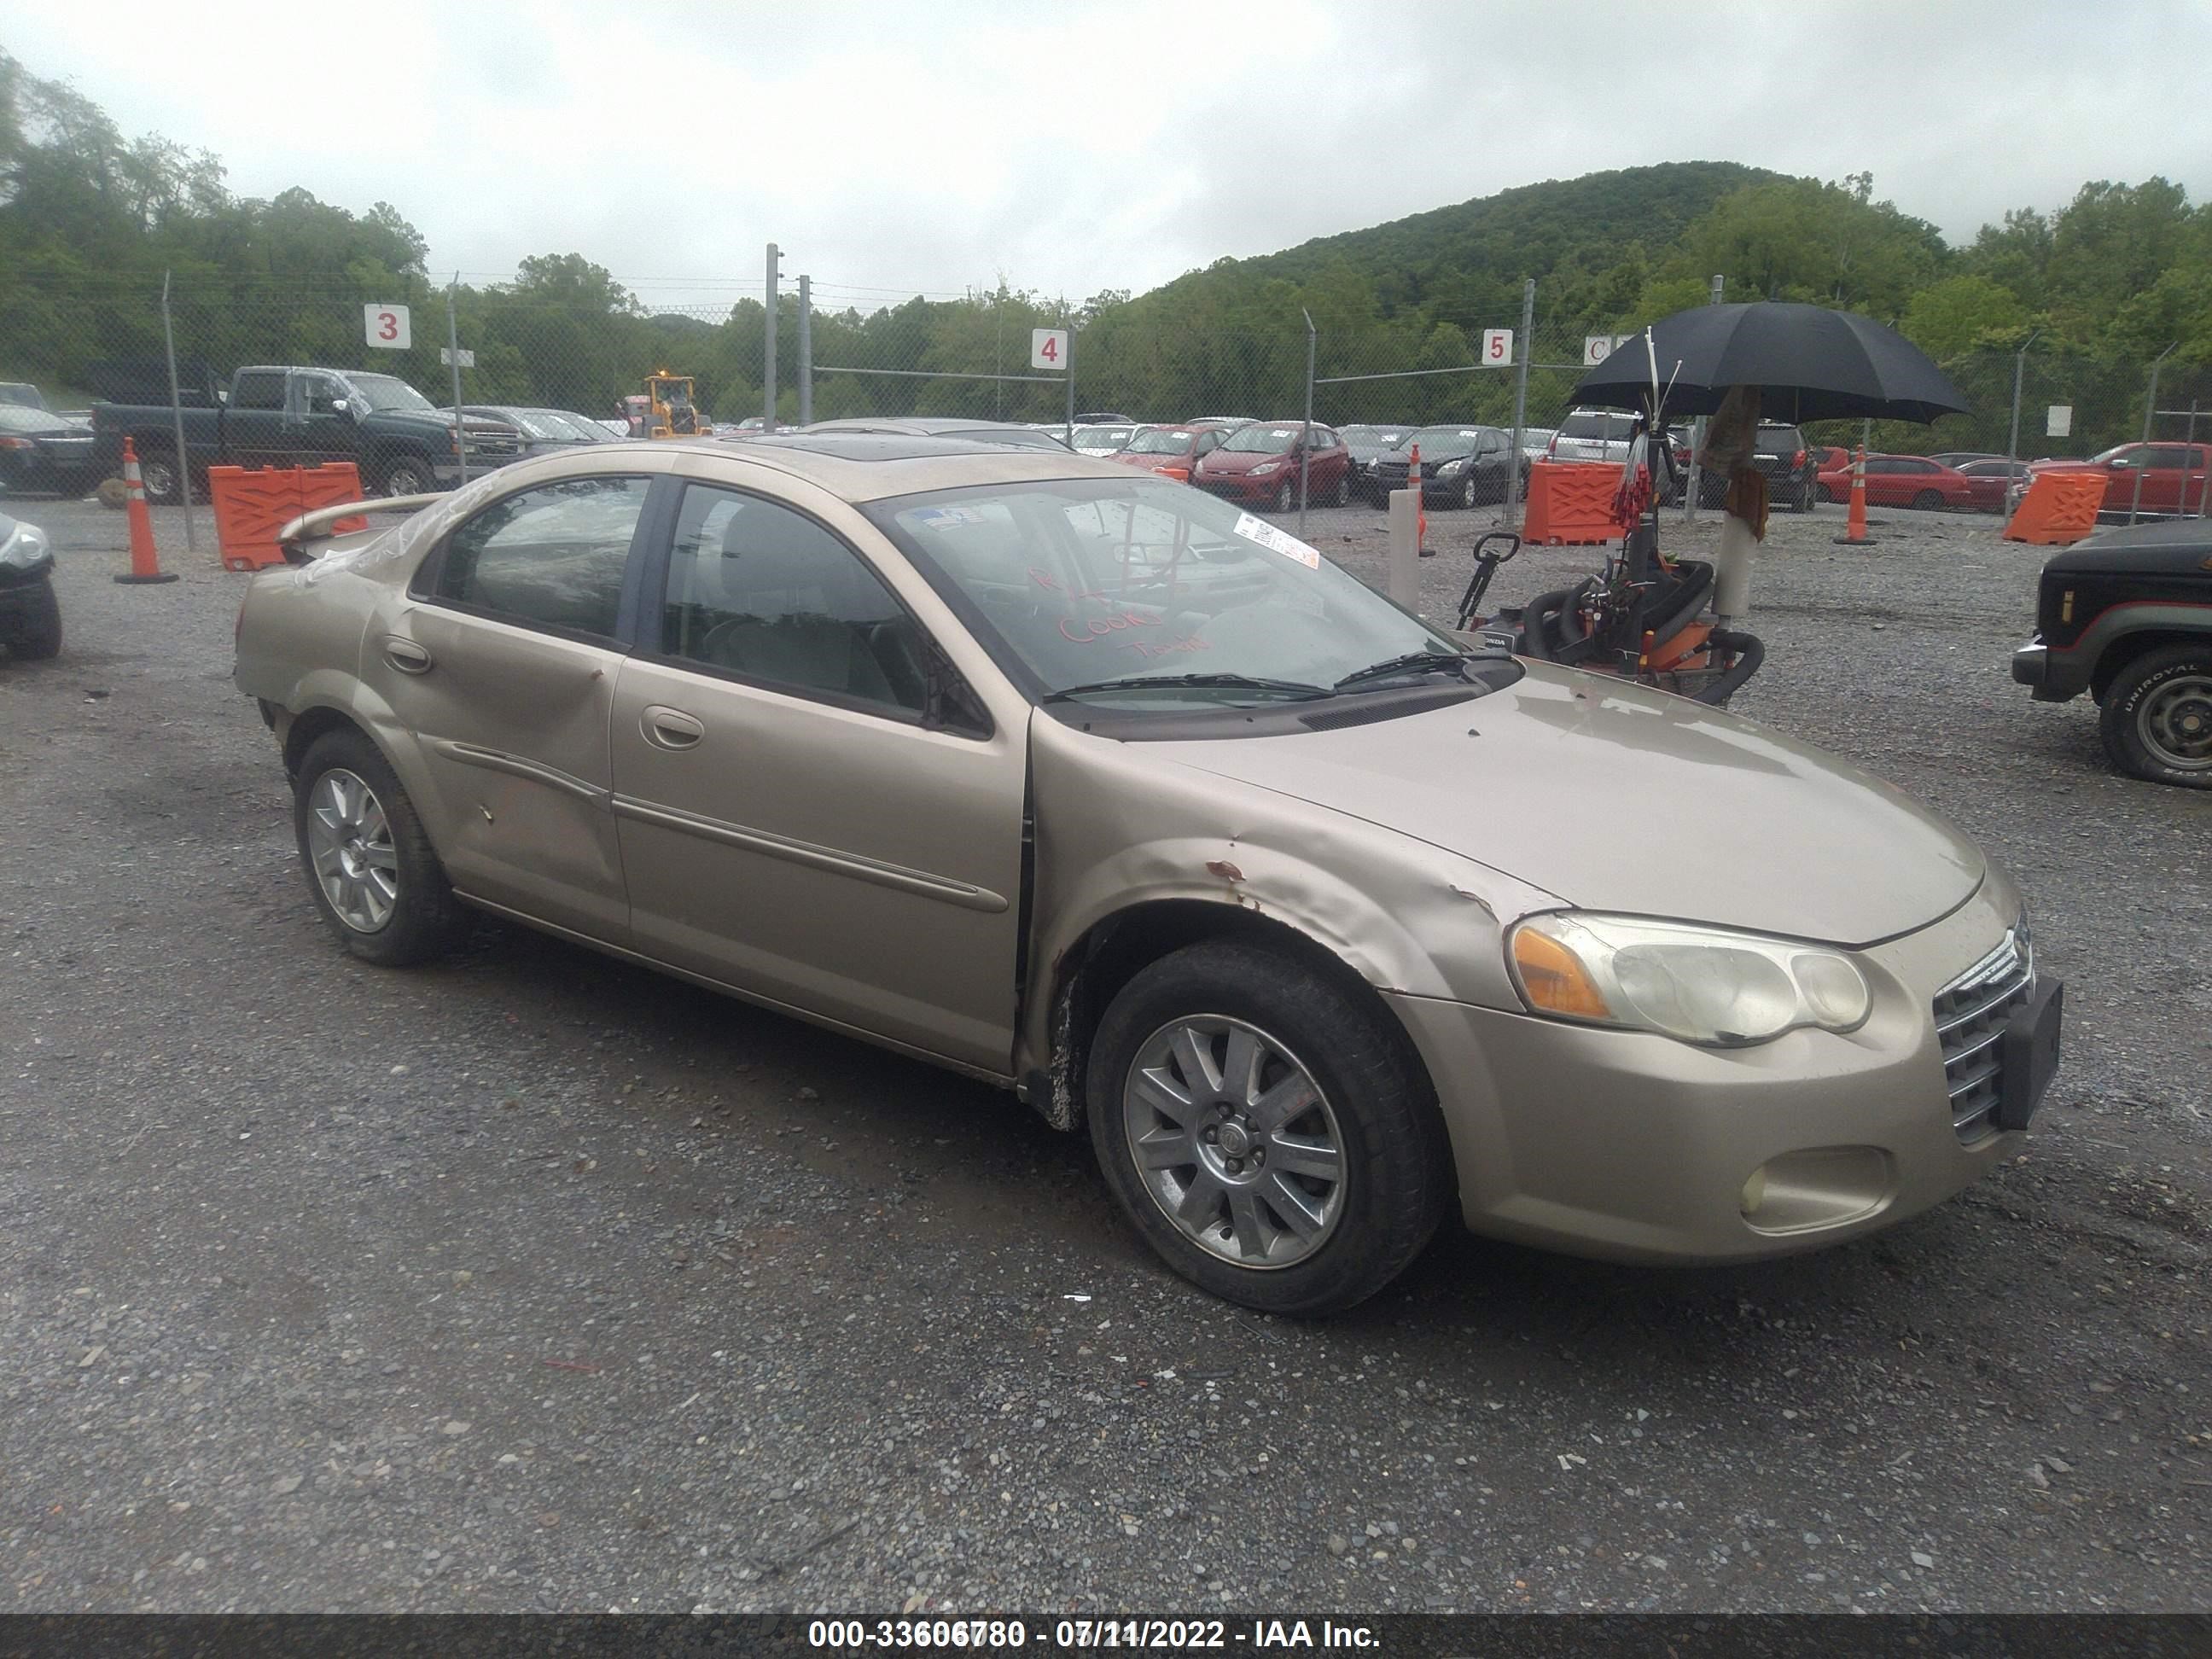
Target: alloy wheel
349,844
1235,1141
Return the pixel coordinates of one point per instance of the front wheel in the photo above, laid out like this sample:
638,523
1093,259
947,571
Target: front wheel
39,629
409,476
1466,492
1343,490
1267,1135
370,865
2156,722
1805,495
1284,496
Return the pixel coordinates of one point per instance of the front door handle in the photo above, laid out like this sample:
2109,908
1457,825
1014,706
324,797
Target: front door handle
669,728
406,655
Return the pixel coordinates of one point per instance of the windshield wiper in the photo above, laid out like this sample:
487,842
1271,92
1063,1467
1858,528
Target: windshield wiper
1413,662
1296,689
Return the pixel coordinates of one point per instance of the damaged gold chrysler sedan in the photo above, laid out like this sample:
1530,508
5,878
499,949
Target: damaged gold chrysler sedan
1095,787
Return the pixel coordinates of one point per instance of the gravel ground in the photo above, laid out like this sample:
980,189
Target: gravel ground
535,1281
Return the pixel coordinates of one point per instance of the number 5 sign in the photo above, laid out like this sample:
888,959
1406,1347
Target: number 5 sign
1048,348
388,326
1498,348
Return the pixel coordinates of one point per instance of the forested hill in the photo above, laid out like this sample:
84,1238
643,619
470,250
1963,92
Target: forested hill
1470,258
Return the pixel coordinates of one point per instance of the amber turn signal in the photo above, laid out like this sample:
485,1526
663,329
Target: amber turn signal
1553,978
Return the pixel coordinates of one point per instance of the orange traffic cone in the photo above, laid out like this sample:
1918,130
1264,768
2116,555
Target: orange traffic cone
145,562
1855,530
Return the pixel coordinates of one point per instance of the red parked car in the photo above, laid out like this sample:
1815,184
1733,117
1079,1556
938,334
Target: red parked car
1171,451
1903,481
1260,463
2172,475
1989,478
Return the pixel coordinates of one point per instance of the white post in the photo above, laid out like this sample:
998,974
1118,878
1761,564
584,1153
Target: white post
1404,579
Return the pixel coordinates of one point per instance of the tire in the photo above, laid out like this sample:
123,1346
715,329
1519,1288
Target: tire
159,473
1466,492
2156,722
1343,490
1297,1241
368,852
37,635
409,475
1806,491
1927,501
1284,495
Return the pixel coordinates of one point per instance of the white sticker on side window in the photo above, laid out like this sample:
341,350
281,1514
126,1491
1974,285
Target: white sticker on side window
1277,541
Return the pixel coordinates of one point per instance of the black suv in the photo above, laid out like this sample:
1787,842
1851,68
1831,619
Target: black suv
1792,469
2126,616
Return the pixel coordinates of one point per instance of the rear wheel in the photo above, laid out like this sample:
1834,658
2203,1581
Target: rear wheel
1264,1131
369,863
159,473
2156,722
1927,501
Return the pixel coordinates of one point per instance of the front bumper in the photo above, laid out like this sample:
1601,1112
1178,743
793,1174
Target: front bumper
18,583
1243,487
1634,1147
2046,674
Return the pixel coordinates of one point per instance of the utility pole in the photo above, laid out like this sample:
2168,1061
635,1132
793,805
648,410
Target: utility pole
1690,488
1519,402
2012,443
805,349
768,351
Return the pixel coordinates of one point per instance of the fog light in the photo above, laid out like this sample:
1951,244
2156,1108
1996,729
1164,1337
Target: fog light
1754,1191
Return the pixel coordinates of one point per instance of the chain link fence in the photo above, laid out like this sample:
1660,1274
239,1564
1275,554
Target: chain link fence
847,355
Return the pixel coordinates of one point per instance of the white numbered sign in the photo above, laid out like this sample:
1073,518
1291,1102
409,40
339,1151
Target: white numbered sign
1596,348
1496,347
1048,348
2059,422
388,326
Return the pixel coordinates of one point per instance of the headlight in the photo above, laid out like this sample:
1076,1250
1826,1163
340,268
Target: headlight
1265,467
1459,465
25,546
1702,985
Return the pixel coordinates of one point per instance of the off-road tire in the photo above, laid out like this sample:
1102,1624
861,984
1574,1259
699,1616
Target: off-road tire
37,635
2137,685
426,921
1397,1168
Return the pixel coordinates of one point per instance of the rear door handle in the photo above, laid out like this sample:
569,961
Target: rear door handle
406,655
669,728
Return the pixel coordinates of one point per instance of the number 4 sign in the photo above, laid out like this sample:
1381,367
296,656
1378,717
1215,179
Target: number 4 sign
388,326
1496,347
1048,348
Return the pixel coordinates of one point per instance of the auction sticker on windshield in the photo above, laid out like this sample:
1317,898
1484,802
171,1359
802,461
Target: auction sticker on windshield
1277,541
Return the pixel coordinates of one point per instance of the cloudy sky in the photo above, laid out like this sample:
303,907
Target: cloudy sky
940,144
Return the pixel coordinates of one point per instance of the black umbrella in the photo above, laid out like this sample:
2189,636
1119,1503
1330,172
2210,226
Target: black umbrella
1809,363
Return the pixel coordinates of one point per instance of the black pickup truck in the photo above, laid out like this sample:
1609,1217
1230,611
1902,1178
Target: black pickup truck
2126,616
285,415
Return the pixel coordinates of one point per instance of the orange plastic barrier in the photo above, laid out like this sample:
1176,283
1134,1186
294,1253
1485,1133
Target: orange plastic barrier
2059,507
1570,503
252,504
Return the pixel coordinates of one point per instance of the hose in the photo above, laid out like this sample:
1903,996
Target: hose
1749,654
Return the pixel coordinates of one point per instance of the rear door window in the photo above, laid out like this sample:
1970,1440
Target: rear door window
258,389
552,557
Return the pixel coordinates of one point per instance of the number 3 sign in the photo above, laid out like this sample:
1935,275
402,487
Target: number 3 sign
1496,347
388,326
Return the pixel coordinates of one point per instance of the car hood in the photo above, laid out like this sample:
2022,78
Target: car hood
1222,461
2175,546
1617,797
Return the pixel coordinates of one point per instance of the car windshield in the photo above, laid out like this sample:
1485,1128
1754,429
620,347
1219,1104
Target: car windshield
564,424
384,392
1162,443
1443,443
1261,439
533,424
1103,439
1074,582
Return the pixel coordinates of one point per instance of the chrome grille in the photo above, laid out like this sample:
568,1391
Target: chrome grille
1972,1013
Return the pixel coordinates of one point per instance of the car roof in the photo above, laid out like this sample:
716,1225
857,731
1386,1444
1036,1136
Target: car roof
917,424
856,466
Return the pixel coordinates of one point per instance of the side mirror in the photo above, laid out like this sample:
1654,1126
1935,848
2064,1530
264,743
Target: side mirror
340,406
